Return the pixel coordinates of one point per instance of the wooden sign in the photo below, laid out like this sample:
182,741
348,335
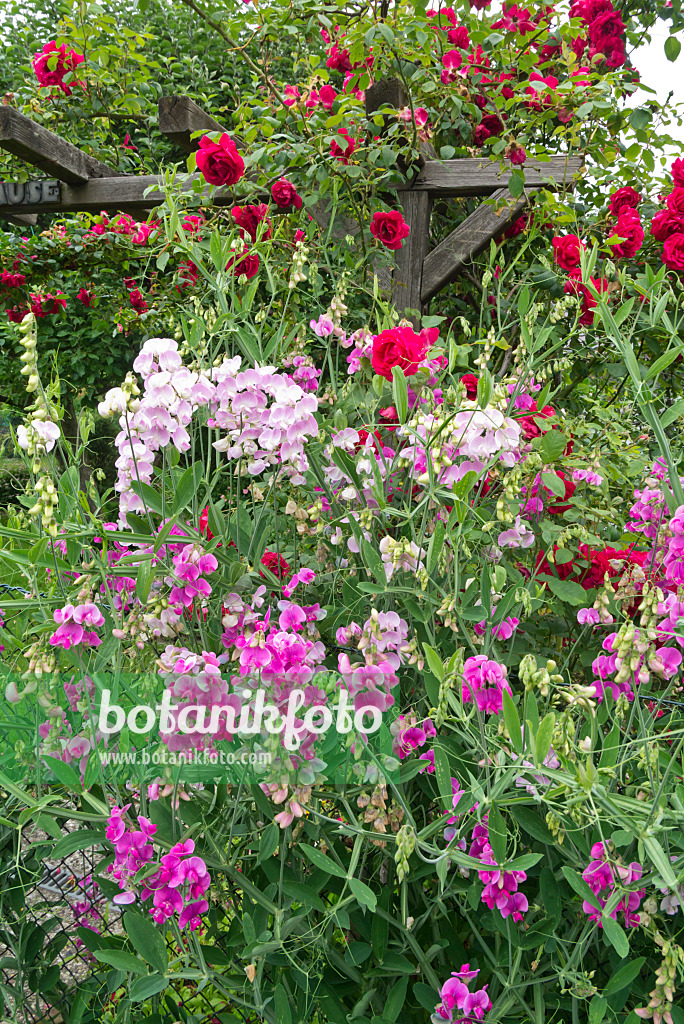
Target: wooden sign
29,193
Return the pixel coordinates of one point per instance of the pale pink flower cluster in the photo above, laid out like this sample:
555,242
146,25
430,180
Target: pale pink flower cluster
590,476
501,887
361,344
267,419
382,642
649,512
619,675
408,736
519,535
178,885
602,875
484,682
674,556
195,685
40,436
72,622
190,564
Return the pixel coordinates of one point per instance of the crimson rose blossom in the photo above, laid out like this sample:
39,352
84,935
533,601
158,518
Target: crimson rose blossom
675,201
678,172
67,61
46,305
566,251
220,162
389,228
250,217
276,564
247,265
85,296
673,253
285,195
470,381
629,228
665,224
401,346
575,285
336,150
624,198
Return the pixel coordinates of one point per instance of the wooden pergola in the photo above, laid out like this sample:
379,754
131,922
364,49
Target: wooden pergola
77,182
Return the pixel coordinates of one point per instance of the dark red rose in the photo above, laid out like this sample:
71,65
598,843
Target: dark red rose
566,251
673,253
338,59
516,227
389,228
604,29
665,224
85,296
343,154
17,314
46,305
401,346
675,201
285,195
459,37
574,285
529,424
220,162
11,280
480,135
624,198
557,507
471,382
629,228
138,302
276,564
247,265
250,217
677,171
493,124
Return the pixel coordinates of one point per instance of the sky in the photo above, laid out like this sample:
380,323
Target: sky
659,74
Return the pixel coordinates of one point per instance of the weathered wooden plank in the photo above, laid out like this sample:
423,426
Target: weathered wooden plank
406,280
469,239
40,147
110,194
22,193
471,176
22,220
179,117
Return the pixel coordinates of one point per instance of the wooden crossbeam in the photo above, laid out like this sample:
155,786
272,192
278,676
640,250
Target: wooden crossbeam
40,147
472,176
406,279
179,117
110,194
468,240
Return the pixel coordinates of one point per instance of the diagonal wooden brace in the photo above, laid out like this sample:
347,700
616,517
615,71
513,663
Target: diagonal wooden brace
179,117
468,240
36,145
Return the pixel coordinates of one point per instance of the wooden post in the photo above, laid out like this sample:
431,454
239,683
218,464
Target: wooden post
180,116
408,268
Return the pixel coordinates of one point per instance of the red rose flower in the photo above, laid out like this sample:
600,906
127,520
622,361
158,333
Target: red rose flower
575,285
285,195
529,425
665,224
327,96
8,280
605,29
338,59
624,198
566,251
219,162
85,296
516,228
675,201
493,124
17,314
629,228
516,153
677,171
459,37
401,346
276,564
389,228
337,151
247,265
480,135
250,217
471,382
138,302
204,523
67,62
673,253
46,305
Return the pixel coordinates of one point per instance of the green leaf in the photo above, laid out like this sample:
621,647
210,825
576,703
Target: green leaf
616,935
673,413
597,1009
567,590
81,840
434,662
187,487
394,1003
400,393
624,977
660,862
639,118
322,861
552,445
146,940
516,184
497,834
672,48
435,546
145,988
122,960
373,561
512,722
302,893
269,842
443,777
283,1014
580,886
554,484
531,823
544,737
364,894
151,498
64,773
